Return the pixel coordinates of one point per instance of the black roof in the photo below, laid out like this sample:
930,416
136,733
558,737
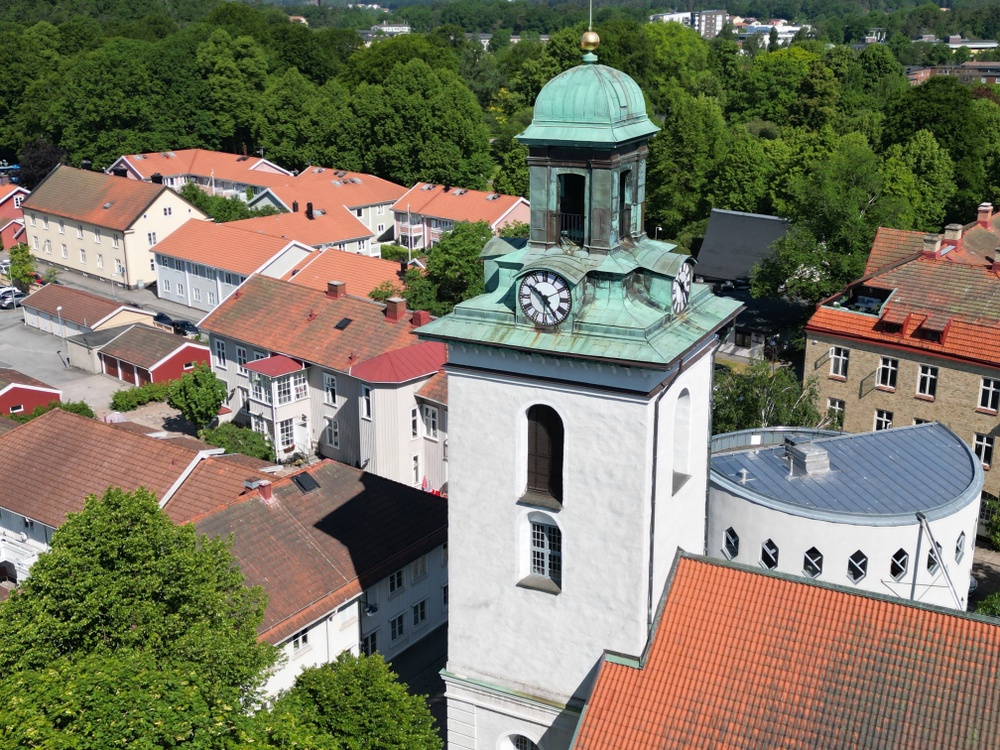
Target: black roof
735,241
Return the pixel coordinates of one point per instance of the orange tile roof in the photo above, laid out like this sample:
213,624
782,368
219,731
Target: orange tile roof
301,323
741,659
215,483
221,246
81,195
456,204
332,226
312,551
436,389
361,273
327,188
78,306
200,162
892,246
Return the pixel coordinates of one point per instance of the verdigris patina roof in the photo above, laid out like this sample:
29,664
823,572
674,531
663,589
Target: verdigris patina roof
586,106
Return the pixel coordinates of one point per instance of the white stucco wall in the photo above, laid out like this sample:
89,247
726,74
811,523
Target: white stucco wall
794,534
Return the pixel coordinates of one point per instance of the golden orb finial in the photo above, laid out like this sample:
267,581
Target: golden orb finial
590,41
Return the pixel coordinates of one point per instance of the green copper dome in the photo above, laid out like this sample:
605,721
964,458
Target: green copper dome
588,105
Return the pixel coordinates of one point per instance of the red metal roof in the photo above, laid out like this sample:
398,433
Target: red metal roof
745,660
402,365
456,204
274,366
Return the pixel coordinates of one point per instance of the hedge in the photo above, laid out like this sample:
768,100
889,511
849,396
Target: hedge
132,398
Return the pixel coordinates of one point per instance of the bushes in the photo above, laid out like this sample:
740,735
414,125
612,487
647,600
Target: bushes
236,439
77,407
133,398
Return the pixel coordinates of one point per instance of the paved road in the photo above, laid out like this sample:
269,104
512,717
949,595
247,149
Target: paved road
420,666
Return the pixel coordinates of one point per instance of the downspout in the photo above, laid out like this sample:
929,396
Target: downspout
708,457
652,498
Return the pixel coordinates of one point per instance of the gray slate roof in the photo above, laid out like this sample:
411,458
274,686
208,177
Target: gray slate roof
735,241
875,478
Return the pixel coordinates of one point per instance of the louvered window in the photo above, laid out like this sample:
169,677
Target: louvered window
545,451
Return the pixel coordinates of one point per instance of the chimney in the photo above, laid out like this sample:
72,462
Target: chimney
420,318
86,164
932,245
295,207
953,236
264,487
985,215
336,289
309,210
808,459
122,172
395,309
156,178
251,484
404,266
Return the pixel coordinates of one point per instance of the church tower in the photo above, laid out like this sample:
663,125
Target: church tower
579,410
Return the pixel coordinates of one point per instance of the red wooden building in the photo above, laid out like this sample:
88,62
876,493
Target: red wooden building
143,355
19,393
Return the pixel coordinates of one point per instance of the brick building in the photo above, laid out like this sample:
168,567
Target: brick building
917,339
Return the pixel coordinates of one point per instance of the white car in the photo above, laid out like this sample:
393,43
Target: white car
7,290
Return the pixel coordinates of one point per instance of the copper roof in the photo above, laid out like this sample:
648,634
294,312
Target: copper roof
336,224
741,659
457,204
220,246
312,551
145,346
92,197
78,306
307,324
361,273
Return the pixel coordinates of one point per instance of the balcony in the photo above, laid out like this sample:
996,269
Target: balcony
571,227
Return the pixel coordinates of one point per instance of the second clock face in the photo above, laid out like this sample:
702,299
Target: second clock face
545,298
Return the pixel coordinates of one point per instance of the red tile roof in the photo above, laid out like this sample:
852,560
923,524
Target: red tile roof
312,551
892,246
215,483
328,188
10,376
92,456
274,366
302,323
6,425
203,163
741,659
403,365
332,226
956,293
361,273
145,346
436,389
221,246
456,204
92,197
78,306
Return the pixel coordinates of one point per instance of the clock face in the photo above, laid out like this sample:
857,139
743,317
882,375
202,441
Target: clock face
545,298
682,288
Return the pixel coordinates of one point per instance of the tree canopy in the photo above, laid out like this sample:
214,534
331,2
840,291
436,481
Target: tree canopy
454,270
763,395
198,395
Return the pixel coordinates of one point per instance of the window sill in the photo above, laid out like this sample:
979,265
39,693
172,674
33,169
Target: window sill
538,499
838,378
885,389
539,583
990,412
301,651
924,397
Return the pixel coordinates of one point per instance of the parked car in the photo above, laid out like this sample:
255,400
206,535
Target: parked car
8,290
185,328
163,319
10,301
5,267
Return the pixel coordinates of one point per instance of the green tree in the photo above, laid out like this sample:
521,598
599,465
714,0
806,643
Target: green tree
354,702
121,579
763,395
236,439
220,208
234,70
454,271
385,291
921,174
22,267
516,230
772,40
198,395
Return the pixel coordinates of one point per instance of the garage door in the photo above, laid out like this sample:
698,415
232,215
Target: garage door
128,372
110,365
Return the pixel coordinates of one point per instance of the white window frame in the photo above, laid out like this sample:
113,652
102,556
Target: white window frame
196,293
396,581
17,408
151,238
114,239
397,628
812,563
418,476
366,403
900,560
100,261
300,640
546,551
286,434
83,256
935,559
329,389
220,352
883,419
180,289
333,433
119,266
369,643
927,378
241,359
414,423
34,243
857,566
887,373
418,568
430,414
211,298
989,394
62,227
840,360
47,245
166,285
79,231
960,547
769,555
730,543
419,612
983,446
97,235
65,250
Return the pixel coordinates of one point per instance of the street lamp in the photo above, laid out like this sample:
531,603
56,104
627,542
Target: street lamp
657,235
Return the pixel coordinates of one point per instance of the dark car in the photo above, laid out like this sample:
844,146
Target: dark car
163,319
185,328
12,300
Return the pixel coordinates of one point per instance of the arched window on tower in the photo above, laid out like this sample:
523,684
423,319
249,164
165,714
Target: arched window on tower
572,207
545,452
682,440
